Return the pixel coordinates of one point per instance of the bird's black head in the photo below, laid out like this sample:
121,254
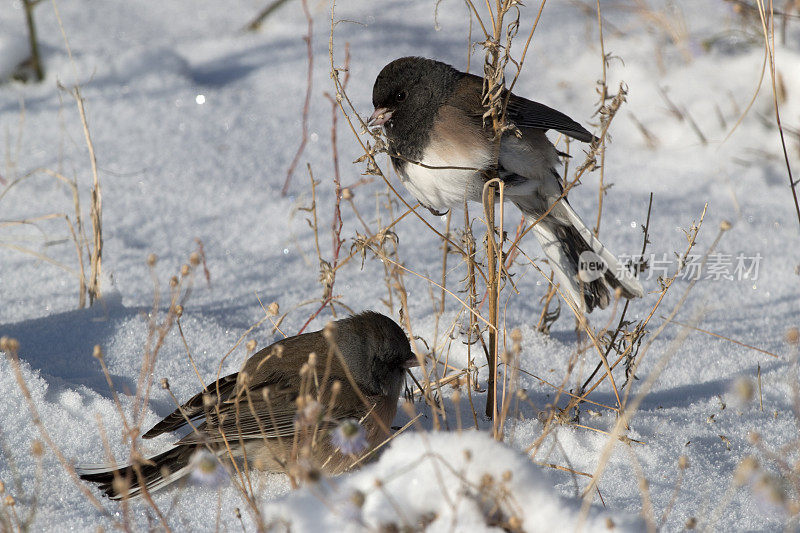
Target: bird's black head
407,94
376,351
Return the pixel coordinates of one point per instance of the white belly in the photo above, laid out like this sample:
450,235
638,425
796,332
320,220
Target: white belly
443,188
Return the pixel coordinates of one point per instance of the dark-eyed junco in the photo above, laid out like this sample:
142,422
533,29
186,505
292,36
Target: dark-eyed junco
433,114
284,401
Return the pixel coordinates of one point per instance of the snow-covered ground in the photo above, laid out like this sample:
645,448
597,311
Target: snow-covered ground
194,124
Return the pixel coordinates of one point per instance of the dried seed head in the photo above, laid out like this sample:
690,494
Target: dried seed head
36,448
745,470
468,455
516,335
347,194
173,281
683,462
314,475
610,523
515,523
357,498
389,527
744,390
208,400
238,513
205,469
120,485
793,336
9,345
185,269
165,383
152,259
194,259
336,387
691,523
487,480
273,309
328,332
9,501
2,487
350,437
725,225
456,394
312,359
507,475
179,310
771,488
251,345
97,353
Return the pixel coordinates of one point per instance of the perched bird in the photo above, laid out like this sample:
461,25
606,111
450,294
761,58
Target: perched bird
315,386
432,115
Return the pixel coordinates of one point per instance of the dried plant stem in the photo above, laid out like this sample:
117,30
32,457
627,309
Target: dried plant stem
769,45
308,38
603,90
621,322
96,210
491,270
723,337
258,20
36,61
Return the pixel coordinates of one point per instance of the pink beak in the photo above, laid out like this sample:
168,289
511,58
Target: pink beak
379,117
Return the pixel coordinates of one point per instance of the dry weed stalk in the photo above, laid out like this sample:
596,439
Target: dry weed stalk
35,60
93,248
309,78
768,28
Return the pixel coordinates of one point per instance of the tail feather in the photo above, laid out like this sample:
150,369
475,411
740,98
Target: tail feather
124,482
618,275
564,246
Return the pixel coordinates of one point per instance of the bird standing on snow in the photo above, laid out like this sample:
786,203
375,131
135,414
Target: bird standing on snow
280,395
433,114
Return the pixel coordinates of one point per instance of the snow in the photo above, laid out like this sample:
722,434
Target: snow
195,122
447,476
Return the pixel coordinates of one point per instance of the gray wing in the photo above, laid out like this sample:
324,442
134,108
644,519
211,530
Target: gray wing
527,114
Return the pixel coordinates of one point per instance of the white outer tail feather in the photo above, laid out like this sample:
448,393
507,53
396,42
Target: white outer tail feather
623,274
560,263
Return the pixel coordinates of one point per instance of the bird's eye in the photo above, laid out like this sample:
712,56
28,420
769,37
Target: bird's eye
401,96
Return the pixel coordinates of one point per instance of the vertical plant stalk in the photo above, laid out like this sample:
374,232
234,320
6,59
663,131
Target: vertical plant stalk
36,61
309,78
768,27
495,260
495,98
491,272
603,90
492,87
96,211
